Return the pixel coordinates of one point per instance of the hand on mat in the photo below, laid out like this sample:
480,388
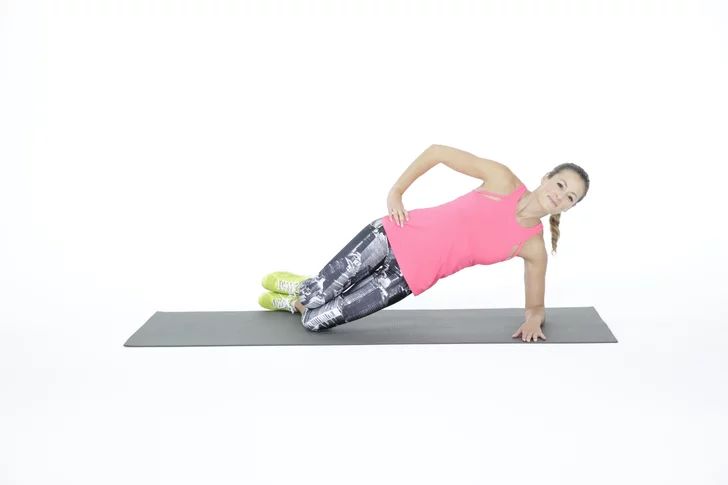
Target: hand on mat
530,330
397,212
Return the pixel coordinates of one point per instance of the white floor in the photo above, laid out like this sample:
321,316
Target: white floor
79,408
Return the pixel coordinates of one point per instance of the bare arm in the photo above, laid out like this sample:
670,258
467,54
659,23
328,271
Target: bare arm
535,280
458,160
422,164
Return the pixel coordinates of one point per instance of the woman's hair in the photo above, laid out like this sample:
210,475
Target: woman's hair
556,218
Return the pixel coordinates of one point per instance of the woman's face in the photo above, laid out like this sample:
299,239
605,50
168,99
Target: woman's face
560,192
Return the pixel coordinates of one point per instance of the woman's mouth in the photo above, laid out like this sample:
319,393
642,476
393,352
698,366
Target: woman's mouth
552,200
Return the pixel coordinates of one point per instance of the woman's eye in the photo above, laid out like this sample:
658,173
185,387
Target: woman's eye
561,185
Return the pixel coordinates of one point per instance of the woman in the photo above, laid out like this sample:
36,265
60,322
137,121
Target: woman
409,251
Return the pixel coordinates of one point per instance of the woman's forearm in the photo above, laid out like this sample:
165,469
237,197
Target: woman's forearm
422,164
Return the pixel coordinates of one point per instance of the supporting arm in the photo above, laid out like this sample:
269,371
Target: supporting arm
535,282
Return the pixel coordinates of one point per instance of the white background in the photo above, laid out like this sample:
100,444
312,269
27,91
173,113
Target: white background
166,155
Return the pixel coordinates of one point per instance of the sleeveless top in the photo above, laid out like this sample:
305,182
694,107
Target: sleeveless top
472,229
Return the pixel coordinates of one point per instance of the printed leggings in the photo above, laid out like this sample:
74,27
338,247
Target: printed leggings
362,278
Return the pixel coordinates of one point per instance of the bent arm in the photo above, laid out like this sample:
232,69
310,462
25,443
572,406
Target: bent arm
422,164
535,281
458,160
469,164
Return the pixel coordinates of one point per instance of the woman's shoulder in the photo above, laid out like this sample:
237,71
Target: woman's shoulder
503,183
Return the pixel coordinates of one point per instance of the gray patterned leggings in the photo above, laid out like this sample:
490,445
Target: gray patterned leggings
362,278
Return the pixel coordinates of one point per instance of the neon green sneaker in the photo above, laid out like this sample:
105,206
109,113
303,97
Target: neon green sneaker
283,282
270,300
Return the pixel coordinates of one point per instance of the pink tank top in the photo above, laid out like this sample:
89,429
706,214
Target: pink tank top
469,230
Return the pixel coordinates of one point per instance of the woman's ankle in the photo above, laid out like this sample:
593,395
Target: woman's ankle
299,308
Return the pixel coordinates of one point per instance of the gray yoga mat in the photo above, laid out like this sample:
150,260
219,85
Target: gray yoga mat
461,326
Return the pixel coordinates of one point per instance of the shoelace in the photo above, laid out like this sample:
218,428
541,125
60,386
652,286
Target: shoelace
289,287
283,302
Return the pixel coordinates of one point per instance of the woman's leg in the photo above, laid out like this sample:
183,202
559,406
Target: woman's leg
382,288
357,260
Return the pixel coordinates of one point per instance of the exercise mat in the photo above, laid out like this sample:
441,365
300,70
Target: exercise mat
441,326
